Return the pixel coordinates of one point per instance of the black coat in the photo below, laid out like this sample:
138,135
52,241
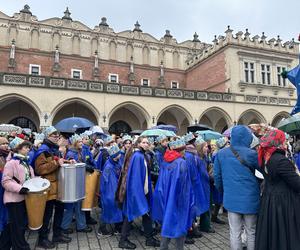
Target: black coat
278,226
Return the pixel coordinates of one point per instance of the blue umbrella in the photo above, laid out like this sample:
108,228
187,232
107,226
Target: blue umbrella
71,124
166,127
208,135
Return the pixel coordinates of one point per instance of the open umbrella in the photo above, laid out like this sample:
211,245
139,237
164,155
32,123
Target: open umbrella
227,132
72,124
260,129
158,132
166,127
136,132
198,127
208,135
8,128
290,125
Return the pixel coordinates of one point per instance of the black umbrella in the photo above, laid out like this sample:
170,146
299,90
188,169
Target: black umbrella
198,127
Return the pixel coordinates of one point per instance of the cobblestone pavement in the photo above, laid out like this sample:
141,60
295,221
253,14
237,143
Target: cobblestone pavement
90,241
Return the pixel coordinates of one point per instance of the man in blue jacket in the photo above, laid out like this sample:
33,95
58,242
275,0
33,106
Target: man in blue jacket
234,175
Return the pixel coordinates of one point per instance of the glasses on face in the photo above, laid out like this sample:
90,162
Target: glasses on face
128,143
54,136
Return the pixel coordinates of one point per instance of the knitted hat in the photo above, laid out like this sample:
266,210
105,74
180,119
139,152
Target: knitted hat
189,137
160,138
49,131
75,138
15,142
178,144
3,140
114,151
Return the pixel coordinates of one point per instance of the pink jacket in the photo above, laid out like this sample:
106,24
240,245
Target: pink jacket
13,168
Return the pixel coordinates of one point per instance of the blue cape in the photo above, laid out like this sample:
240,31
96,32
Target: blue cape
31,156
44,148
122,158
136,203
194,168
108,187
3,210
101,159
204,179
173,199
217,196
87,156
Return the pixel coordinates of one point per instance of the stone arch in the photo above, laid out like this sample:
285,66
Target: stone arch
75,107
131,113
251,116
112,50
177,116
34,44
15,106
278,117
216,118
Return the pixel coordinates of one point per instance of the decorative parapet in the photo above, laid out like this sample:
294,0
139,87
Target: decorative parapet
243,39
15,80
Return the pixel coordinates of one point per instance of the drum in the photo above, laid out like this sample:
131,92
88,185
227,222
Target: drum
91,184
36,201
71,182
97,194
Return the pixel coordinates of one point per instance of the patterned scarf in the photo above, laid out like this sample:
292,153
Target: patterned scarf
269,143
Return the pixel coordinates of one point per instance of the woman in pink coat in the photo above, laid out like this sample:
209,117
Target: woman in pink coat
16,172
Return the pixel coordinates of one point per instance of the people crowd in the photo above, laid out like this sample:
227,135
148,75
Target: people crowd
176,186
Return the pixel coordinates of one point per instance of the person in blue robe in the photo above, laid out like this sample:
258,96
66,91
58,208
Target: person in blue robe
74,154
127,143
111,213
134,193
203,162
173,197
103,154
160,149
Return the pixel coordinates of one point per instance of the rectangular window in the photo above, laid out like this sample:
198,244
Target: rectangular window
114,78
265,74
76,73
249,72
35,69
145,82
280,80
174,85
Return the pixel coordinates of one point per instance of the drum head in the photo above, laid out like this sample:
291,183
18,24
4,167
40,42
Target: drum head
37,184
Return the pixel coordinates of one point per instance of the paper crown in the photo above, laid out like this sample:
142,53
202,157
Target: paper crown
75,138
86,134
199,140
15,142
213,142
126,138
188,137
177,144
221,142
39,137
114,151
49,130
151,140
160,138
108,139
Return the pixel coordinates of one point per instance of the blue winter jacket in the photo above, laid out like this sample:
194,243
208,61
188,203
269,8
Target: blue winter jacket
237,181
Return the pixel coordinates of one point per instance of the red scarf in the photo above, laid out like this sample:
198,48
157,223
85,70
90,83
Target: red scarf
269,143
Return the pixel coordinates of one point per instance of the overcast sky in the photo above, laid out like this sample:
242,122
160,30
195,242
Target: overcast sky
181,17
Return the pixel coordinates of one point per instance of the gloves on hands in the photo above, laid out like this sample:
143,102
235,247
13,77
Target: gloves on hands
24,190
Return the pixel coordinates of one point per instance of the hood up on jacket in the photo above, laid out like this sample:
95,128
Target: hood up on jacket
241,136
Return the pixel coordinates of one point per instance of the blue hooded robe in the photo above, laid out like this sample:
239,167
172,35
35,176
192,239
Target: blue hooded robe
103,156
87,156
217,196
108,187
173,199
122,158
194,166
136,202
204,180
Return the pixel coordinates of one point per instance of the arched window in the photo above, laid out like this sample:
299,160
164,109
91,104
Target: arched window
119,127
24,122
